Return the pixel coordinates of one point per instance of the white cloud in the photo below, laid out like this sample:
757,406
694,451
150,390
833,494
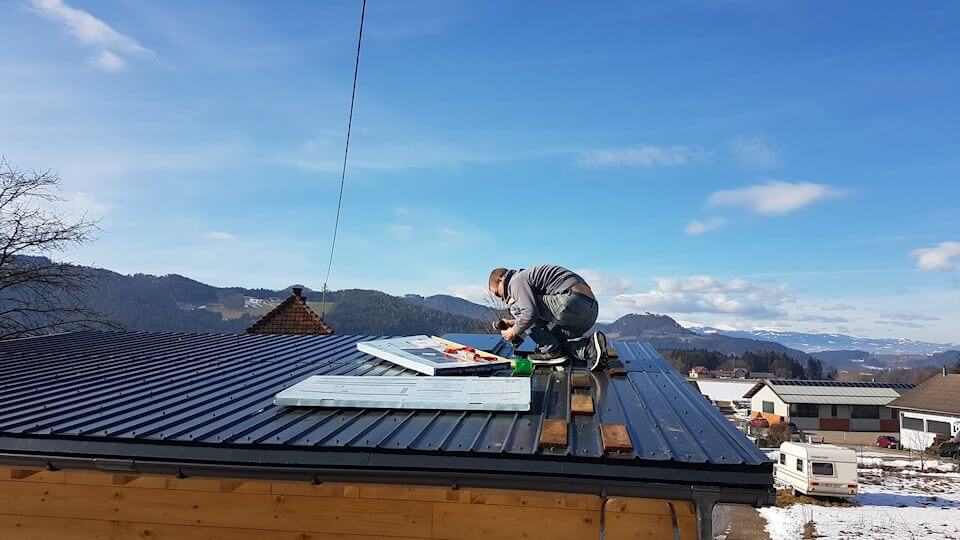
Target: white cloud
908,317
400,231
905,324
449,232
605,284
112,46
945,256
705,294
220,235
108,61
699,227
774,198
807,317
754,153
82,203
645,156
474,293
839,306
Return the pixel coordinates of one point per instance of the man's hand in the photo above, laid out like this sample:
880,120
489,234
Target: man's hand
503,324
509,334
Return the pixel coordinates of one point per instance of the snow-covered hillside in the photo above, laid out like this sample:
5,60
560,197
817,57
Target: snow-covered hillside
832,342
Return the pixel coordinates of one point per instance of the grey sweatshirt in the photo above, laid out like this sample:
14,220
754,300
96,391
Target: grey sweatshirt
525,287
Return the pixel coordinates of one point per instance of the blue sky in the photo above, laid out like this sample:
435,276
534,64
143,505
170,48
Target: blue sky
787,165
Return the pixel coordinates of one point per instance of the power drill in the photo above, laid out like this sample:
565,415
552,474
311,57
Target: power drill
500,325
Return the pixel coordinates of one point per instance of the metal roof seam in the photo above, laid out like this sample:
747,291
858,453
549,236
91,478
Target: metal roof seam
326,416
396,429
640,420
181,392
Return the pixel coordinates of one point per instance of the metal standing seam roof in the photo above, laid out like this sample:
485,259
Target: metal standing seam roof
938,394
834,392
209,397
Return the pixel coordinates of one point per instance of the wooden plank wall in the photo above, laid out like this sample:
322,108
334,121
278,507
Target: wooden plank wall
41,504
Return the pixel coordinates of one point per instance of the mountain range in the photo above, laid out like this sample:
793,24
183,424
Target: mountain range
175,303
665,333
808,342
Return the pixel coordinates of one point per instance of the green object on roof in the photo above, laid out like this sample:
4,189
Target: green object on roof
522,367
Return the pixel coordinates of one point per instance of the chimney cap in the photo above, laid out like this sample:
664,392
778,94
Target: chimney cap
298,291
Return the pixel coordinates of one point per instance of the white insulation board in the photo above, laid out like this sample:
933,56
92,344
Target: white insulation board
446,393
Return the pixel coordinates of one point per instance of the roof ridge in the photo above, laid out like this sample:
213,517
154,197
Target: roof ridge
300,319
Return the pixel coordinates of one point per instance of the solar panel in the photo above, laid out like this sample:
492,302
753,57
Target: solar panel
446,393
841,384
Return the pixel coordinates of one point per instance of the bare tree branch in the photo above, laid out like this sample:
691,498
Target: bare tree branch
38,294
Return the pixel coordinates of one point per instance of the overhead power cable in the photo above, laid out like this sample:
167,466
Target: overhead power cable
346,152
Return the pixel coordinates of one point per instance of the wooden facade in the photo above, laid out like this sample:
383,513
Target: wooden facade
42,504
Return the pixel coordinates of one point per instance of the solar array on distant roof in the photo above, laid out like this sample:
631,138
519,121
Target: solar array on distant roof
841,384
833,392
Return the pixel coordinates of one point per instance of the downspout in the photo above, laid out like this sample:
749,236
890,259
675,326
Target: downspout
704,499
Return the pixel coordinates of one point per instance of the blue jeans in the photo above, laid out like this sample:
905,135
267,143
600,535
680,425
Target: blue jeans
563,319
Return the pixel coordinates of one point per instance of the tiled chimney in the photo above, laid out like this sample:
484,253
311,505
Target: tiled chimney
298,291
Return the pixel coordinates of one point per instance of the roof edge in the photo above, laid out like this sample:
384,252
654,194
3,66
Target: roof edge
928,411
756,496
132,456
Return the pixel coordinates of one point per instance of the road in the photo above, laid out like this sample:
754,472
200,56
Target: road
738,522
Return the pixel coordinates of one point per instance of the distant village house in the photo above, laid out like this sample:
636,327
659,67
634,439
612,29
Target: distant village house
929,411
827,405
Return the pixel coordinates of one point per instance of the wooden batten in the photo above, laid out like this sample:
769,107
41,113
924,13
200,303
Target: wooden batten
615,438
580,380
553,433
581,403
89,504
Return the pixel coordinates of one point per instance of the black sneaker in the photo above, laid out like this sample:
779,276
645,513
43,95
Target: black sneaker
547,358
597,351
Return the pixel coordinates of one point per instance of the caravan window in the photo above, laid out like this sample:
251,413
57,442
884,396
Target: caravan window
821,469
783,458
799,464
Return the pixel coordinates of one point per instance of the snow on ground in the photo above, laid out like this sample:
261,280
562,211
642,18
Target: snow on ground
864,522
906,503
865,460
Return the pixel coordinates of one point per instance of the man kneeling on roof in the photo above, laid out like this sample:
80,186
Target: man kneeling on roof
556,307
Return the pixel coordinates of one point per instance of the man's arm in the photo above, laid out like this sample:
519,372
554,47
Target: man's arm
525,305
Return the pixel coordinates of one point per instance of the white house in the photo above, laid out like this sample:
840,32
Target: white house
929,410
827,405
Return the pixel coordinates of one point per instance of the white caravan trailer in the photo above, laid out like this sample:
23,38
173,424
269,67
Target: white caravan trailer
818,469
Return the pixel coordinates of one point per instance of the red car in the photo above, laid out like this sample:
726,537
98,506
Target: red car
759,421
888,441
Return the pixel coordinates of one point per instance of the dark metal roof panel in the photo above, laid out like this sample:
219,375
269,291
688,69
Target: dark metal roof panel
217,389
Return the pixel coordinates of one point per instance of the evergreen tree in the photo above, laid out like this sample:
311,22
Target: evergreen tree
814,369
